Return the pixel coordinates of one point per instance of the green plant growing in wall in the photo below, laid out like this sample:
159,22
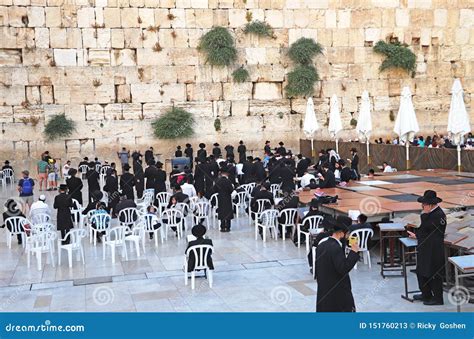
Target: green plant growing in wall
301,81
391,116
175,123
303,50
240,75
219,47
353,122
59,127
217,124
280,115
259,28
397,55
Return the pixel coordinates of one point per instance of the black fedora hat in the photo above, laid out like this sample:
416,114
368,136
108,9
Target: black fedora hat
430,198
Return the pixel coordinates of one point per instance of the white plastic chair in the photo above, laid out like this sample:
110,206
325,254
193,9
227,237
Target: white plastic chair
135,235
363,235
200,253
214,201
38,244
241,200
17,226
163,200
289,215
202,211
261,205
268,219
75,244
40,218
115,237
313,222
276,190
42,227
97,167
8,176
104,169
76,214
102,223
128,217
174,218
83,170
147,221
2,179
146,200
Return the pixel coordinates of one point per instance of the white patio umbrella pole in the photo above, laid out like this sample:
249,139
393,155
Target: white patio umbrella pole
459,157
337,145
312,147
368,151
407,145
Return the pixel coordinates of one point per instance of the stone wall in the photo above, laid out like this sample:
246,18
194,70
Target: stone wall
97,61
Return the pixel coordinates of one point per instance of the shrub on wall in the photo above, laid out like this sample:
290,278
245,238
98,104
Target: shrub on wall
303,50
240,75
59,127
397,55
219,47
174,124
258,28
301,80
217,124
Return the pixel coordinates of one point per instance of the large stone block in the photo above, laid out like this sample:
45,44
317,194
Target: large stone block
145,93
267,91
236,91
65,57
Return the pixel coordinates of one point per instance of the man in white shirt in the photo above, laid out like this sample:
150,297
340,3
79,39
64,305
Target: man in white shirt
40,206
306,178
188,189
387,168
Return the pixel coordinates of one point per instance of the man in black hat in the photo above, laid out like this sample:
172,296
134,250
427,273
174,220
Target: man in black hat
281,150
202,153
92,180
7,165
242,150
216,151
149,155
127,182
188,152
332,270
430,249
178,153
112,188
259,170
229,151
225,211
247,169
267,148
199,231
63,203
355,163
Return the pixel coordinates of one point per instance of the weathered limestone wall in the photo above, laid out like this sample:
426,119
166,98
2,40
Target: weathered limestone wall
94,61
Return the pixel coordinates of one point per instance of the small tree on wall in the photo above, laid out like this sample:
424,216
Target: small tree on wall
219,47
59,127
302,79
397,55
174,124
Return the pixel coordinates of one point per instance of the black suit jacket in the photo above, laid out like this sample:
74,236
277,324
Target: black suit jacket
63,203
192,258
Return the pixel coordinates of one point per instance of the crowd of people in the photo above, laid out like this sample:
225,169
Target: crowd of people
224,172
435,141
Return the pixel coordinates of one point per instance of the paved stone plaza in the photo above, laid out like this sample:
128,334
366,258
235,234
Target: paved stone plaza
249,276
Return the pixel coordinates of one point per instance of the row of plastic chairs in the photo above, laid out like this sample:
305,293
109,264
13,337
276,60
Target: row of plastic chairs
7,176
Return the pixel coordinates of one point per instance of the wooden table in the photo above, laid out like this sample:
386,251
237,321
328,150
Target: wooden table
463,267
407,244
336,210
390,231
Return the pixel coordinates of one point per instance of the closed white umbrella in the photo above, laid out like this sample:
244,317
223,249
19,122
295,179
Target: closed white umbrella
310,125
406,124
335,124
364,123
458,119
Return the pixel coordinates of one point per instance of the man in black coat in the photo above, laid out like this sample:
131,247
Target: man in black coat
92,180
127,182
202,153
247,169
216,151
188,152
430,250
225,210
242,150
199,231
281,150
139,179
355,162
160,182
332,272
63,203
327,178
111,187
149,155
200,176
287,176
261,193
74,185
259,170
302,166
229,151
